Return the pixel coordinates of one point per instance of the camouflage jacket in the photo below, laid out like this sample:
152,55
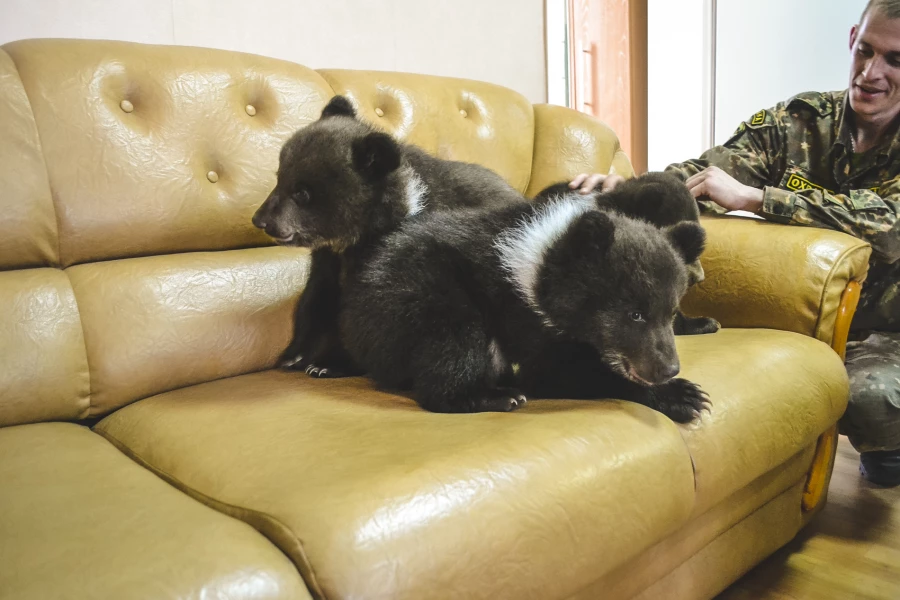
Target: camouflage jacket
799,153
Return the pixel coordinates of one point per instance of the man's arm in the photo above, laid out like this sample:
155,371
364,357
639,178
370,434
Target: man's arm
747,157
750,156
865,214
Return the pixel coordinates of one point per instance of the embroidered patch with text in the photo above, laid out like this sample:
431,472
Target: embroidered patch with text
796,183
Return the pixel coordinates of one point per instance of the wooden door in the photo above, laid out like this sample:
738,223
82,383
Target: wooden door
608,55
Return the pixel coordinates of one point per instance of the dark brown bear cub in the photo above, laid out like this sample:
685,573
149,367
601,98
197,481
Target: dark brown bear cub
342,185
660,199
449,302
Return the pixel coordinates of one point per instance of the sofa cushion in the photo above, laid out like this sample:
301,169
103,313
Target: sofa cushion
130,133
653,564
80,520
374,497
773,394
367,492
458,119
44,374
28,227
157,323
762,274
567,143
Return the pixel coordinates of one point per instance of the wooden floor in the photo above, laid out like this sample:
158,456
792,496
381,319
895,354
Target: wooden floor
851,550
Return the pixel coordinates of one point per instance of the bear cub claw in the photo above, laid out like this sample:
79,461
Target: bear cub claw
681,400
500,400
332,370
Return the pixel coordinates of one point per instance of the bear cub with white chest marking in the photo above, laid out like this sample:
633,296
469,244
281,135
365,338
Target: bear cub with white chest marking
342,186
448,303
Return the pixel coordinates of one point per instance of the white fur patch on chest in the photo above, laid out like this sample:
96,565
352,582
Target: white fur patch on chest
522,248
416,192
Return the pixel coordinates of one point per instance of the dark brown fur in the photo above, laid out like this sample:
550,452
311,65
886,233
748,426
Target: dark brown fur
660,199
435,310
342,186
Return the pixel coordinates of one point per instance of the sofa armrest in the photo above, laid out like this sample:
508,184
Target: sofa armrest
568,142
761,274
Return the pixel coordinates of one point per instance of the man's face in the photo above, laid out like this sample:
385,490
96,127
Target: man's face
875,69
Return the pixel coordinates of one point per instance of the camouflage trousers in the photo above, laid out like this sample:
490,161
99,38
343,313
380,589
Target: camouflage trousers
872,419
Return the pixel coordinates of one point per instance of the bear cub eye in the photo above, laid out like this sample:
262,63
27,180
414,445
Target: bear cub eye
637,316
301,197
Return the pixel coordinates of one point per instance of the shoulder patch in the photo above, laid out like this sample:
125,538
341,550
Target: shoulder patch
819,102
763,118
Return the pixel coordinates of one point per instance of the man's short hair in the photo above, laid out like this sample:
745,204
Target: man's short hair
888,8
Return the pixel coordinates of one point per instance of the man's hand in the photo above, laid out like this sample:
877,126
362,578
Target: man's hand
585,183
723,189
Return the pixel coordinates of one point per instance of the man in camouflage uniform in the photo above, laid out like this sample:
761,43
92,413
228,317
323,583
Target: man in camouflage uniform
832,160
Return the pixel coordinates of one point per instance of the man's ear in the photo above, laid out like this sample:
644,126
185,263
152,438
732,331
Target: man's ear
376,155
339,106
854,31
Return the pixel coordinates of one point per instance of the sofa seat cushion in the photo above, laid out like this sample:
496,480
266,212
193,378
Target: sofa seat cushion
710,528
374,497
773,393
78,519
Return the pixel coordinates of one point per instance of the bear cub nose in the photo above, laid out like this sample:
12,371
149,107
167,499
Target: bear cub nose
670,371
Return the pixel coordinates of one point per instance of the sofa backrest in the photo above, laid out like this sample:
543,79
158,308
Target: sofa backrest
128,176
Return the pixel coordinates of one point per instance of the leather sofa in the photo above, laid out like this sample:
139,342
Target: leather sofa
149,449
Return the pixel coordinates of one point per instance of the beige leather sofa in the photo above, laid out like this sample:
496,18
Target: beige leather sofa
149,450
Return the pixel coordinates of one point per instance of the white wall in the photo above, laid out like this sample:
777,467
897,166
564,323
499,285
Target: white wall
769,50
677,96
766,51
501,41
557,45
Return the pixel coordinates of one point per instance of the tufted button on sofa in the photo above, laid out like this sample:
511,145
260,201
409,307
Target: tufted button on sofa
148,449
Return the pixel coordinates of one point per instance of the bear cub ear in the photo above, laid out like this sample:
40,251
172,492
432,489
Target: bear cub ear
591,234
376,155
339,106
689,239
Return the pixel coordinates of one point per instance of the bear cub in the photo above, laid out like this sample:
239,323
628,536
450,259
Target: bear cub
449,302
658,198
341,186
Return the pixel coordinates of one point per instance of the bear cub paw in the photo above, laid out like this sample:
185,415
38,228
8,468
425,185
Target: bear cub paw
320,369
681,400
501,399
695,325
